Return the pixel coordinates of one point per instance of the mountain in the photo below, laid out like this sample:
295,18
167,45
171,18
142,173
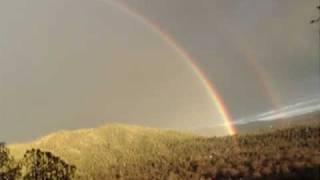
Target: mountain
130,152
310,119
259,126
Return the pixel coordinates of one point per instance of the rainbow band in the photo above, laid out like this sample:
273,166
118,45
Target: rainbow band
261,74
214,96
263,77
210,89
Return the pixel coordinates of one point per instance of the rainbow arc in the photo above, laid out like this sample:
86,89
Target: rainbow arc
209,87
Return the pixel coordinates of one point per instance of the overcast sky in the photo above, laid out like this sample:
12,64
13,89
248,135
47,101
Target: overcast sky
68,64
225,36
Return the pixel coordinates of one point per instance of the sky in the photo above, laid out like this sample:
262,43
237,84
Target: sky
80,64
261,53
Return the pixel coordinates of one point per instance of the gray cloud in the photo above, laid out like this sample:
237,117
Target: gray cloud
219,34
78,63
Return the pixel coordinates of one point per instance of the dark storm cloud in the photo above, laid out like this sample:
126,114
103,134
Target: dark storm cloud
276,34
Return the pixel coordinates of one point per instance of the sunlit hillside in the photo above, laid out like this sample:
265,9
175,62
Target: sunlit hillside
130,152
96,151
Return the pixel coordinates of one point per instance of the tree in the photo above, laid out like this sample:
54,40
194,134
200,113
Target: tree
9,169
35,165
316,20
40,165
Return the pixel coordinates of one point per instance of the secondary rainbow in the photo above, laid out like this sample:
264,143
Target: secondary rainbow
261,74
210,89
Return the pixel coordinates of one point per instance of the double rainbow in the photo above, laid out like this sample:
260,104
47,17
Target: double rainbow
209,87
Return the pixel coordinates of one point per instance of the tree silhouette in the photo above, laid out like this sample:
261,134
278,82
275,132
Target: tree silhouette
316,20
35,165
44,165
9,169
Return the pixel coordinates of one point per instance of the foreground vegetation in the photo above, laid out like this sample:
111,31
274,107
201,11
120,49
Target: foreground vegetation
126,152
35,165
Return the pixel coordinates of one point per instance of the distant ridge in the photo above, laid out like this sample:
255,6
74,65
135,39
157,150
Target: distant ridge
309,119
254,127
